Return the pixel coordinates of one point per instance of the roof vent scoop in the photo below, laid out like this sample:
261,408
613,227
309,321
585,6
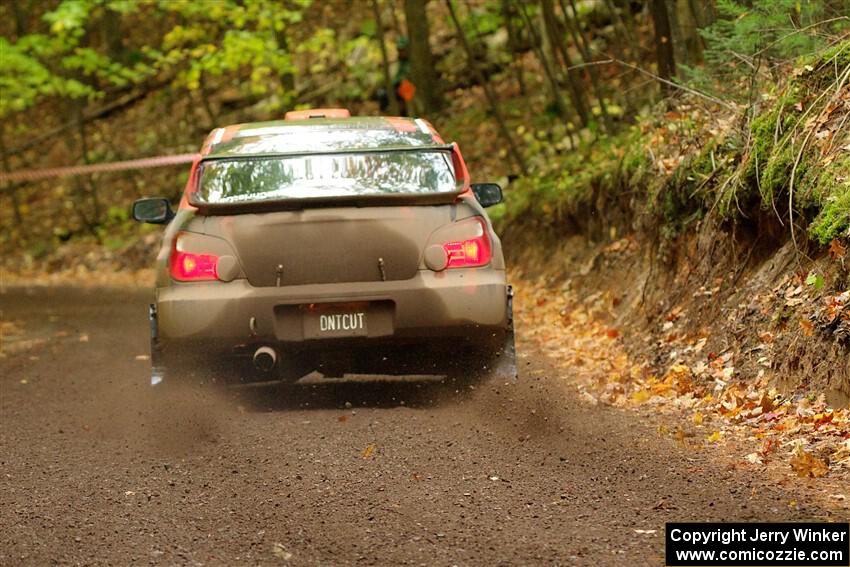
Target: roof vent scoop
317,113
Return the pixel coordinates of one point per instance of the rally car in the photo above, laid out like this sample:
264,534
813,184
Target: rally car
329,243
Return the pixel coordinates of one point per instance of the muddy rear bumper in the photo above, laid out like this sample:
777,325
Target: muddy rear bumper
463,303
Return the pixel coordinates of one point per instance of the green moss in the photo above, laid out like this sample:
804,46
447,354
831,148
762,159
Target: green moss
832,191
833,220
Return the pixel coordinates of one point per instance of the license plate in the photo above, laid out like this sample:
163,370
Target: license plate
353,323
334,322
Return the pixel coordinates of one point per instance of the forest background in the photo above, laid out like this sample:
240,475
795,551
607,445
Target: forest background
676,172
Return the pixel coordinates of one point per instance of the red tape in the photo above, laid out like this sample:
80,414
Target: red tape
35,174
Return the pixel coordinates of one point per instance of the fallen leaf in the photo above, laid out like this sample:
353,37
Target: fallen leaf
278,550
612,333
698,418
370,448
805,464
343,419
84,338
768,446
807,326
142,357
715,437
640,396
587,397
836,249
675,313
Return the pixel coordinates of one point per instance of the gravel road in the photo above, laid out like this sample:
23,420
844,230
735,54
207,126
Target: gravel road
95,469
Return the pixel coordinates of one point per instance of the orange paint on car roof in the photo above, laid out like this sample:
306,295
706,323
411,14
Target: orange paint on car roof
402,124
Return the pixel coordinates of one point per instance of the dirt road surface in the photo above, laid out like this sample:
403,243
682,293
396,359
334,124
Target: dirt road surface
97,470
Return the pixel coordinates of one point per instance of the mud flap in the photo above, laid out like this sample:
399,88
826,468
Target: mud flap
157,362
505,364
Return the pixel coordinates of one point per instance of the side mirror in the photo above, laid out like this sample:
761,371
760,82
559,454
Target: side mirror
153,210
488,194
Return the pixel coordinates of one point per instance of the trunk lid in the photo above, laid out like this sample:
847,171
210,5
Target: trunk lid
330,245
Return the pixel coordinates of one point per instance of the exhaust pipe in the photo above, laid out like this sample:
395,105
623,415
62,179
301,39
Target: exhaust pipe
265,359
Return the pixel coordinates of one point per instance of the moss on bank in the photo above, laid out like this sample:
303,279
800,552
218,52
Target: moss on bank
789,154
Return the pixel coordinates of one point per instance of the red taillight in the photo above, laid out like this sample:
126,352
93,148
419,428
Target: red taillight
189,267
470,252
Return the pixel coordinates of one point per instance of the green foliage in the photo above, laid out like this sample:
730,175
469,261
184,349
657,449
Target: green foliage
815,280
57,64
229,38
25,78
200,39
769,27
749,37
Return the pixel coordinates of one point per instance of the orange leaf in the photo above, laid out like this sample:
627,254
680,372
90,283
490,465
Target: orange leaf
806,464
836,249
807,327
675,313
612,333
370,448
822,418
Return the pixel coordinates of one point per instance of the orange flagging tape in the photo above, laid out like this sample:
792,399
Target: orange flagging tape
35,174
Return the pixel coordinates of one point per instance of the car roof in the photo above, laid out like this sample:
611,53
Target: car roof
318,135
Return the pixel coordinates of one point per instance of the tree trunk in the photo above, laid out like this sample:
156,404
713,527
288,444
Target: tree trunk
203,95
488,91
392,107
508,13
703,12
584,47
82,189
663,43
684,29
394,19
560,105
428,90
84,154
556,38
21,10
113,38
11,188
287,78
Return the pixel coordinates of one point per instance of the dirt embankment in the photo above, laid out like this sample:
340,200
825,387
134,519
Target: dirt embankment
781,313
736,332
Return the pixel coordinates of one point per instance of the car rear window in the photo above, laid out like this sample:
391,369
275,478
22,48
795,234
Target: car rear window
317,176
